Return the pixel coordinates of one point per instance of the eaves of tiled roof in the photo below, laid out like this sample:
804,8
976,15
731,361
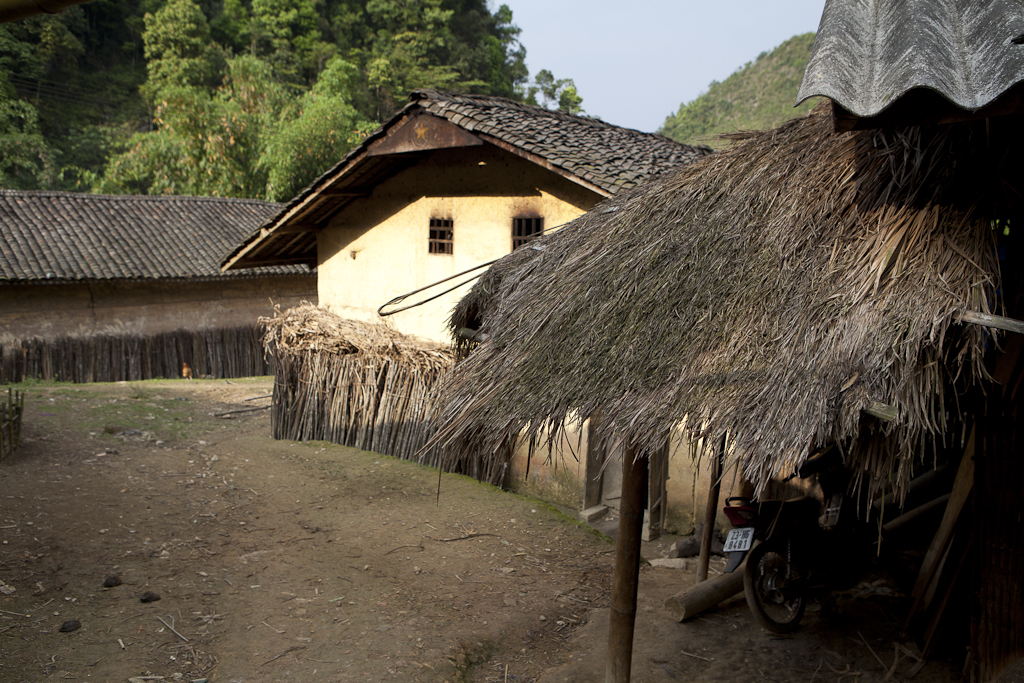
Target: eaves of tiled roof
611,157
926,58
587,151
54,237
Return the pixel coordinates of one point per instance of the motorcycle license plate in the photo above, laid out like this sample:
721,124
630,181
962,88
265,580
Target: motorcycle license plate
739,540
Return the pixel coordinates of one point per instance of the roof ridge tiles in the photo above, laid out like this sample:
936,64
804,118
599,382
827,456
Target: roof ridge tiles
135,198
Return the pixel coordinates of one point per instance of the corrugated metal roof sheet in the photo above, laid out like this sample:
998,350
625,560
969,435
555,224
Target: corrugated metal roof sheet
61,236
869,53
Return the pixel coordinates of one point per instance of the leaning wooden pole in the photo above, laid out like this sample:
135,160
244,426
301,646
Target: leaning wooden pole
627,567
710,513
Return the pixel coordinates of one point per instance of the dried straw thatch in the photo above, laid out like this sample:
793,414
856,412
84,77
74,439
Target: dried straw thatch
352,383
772,292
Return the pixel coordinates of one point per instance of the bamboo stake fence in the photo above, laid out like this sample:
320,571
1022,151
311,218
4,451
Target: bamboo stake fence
352,383
219,352
10,422
380,405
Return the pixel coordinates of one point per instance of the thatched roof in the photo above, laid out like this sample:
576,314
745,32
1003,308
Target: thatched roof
772,292
307,328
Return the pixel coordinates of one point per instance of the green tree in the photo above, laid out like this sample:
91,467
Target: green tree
141,95
247,139
58,89
560,93
204,144
26,160
325,128
399,46
232,27
286,34
757,96
408,51
178,50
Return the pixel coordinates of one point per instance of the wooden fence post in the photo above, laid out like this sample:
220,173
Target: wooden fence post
627,567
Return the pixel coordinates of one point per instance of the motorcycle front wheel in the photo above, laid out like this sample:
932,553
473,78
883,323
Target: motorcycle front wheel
774,587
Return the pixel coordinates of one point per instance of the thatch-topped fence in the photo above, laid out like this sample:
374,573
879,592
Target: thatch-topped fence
217,352
352,383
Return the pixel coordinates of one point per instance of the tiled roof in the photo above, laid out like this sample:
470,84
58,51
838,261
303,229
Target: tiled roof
611,157
65,236
590,152
867,55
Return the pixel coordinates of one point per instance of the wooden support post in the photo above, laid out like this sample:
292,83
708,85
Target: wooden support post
711,512
657,506
627,567
594,468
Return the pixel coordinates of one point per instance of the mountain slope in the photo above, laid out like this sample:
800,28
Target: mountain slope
757,96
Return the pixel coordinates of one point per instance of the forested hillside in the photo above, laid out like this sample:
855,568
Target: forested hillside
758,96
234,98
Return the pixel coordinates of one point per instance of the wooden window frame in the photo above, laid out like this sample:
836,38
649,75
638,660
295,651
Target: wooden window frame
441,239
526,229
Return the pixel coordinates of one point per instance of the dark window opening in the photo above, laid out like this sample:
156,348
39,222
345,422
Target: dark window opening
525,229
441,236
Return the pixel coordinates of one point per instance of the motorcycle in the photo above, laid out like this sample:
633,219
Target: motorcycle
794,547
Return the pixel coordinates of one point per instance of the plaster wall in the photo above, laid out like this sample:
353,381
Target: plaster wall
113,307
377,248
559,479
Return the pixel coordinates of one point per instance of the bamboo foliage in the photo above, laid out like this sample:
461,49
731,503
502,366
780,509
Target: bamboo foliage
351,383
771,292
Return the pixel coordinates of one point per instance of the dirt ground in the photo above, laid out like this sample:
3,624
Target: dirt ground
278,561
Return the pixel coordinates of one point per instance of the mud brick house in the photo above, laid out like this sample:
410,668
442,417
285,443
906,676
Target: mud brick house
81,266
450,182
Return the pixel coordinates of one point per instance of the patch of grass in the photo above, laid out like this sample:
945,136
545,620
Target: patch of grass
31,382
561,488
469,656
167,418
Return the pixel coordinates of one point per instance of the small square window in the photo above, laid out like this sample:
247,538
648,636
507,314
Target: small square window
441,236
525,229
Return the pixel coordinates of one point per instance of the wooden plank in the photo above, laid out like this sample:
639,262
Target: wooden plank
962,487
421,133
911,515
933,623
882,411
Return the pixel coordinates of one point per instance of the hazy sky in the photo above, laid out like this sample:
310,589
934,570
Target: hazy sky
635,61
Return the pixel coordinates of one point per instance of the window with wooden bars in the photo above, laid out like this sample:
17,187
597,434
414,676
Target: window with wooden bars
525,229
441,236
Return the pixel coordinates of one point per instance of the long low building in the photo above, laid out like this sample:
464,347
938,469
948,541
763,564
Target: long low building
81,264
